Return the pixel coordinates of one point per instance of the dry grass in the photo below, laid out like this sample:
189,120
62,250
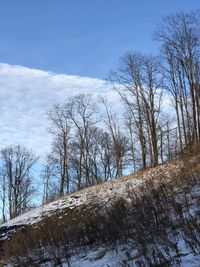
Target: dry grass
154,216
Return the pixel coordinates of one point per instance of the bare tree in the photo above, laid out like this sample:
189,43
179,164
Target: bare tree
179,35
82,112
60,128
3,192
17,163
139,82
129,125
119,141
50,174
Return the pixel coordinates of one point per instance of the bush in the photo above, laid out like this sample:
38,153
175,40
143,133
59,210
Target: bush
151,220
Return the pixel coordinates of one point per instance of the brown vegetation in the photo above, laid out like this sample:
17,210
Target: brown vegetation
152,220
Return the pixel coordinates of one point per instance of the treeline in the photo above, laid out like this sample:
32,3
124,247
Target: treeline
16,187
88,150
88,147
92,144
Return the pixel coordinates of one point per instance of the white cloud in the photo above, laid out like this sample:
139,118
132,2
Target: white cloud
27,94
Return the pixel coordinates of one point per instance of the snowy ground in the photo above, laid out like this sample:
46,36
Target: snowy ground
104,257
104,193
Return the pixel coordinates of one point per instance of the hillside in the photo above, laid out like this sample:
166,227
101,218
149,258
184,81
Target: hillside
150,218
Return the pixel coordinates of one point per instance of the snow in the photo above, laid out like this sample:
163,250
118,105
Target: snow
101,193
95,257
39,213
103,256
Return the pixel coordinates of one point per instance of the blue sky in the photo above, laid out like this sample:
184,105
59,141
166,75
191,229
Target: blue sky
80,37
52,49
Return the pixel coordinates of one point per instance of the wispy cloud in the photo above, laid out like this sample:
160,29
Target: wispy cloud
27,94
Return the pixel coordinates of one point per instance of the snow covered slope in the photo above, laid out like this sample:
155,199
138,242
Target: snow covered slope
124,253
102,193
